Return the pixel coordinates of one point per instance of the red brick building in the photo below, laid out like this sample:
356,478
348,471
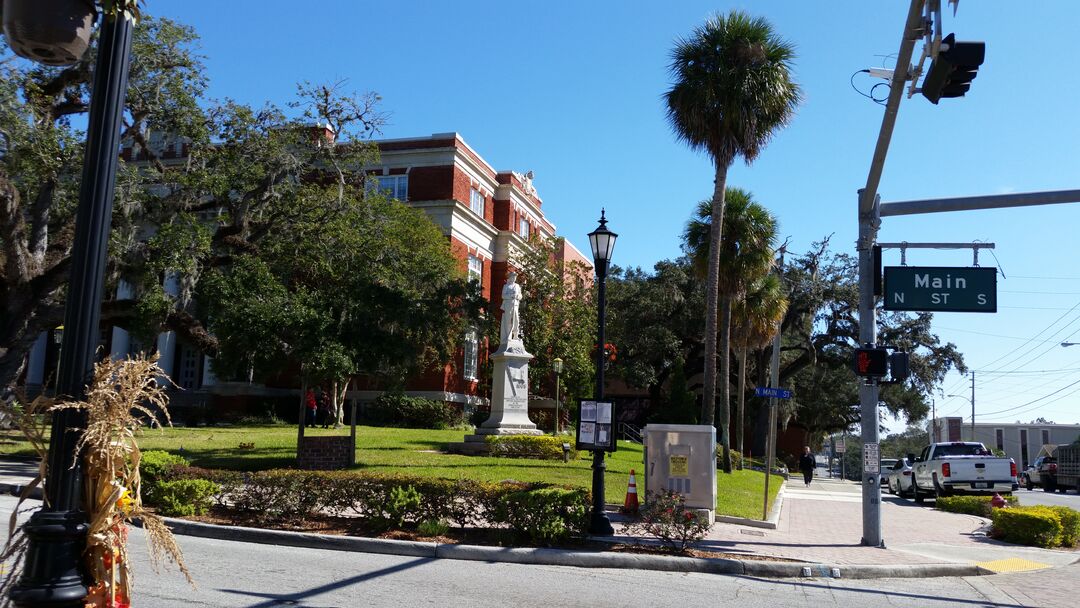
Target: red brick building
487,217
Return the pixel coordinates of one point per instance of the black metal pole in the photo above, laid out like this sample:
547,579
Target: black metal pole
599,525
53,575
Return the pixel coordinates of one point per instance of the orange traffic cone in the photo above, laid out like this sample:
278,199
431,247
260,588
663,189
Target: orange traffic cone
631,504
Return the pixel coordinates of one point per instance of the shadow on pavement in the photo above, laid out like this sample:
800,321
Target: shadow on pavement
274,600
929,598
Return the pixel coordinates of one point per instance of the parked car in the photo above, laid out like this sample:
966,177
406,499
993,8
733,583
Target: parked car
964,467
1034,474
1064,472
899,479
886,465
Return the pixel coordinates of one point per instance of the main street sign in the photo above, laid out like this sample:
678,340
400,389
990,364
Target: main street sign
937,288
768,391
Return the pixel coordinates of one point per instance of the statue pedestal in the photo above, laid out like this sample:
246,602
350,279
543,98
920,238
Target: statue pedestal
509,400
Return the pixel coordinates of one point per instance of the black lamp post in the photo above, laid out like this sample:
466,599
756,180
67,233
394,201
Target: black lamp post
602,242
52,574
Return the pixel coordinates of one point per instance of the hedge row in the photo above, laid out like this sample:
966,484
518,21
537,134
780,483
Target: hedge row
1041,526
543,447
398,409
539,513
971,505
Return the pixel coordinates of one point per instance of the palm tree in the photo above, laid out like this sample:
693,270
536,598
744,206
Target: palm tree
732,90
757,317
746,255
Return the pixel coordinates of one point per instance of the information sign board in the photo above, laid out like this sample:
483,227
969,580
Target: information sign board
596,430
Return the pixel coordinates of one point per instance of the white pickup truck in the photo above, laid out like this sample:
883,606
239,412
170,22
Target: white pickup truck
961,467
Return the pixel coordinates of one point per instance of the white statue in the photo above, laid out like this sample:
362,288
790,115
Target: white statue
511,324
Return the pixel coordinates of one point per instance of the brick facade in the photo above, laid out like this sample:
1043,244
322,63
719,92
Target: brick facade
326,453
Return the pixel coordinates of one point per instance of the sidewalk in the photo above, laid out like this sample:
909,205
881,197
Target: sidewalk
820,526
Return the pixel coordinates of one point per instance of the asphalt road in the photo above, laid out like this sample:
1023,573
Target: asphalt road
242,575
1038,497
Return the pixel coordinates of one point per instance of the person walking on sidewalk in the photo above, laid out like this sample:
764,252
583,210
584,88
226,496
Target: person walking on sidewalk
807,465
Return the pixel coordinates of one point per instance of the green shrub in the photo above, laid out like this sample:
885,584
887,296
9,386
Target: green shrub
970,505
666,517
1070,525
432,527
545,515
156,464
184,497
414,412
280,494
542,447
539,513
1034,525
403,504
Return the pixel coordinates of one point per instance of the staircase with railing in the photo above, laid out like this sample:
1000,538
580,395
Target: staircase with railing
630,432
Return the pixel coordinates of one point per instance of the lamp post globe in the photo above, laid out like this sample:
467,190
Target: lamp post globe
602,242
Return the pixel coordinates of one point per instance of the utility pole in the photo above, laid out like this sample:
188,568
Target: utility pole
933,420
869,221
973,405
871,210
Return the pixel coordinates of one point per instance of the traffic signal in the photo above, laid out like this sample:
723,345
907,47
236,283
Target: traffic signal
871,362
899,369
952,71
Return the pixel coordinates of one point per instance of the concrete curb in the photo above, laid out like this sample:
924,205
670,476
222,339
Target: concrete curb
563,557
557,557
16,490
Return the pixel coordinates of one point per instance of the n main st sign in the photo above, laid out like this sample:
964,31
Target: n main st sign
937,288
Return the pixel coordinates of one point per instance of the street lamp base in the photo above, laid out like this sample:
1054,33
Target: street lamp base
52,575
600,525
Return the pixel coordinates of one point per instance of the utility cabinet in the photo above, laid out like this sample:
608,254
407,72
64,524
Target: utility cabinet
682,458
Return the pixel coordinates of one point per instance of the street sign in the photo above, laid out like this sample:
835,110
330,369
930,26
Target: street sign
939,288
871,458
838,445
778,393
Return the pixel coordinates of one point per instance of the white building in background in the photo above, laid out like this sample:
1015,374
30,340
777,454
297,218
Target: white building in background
1020,441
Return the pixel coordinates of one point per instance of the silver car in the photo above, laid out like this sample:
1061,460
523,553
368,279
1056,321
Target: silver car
898,478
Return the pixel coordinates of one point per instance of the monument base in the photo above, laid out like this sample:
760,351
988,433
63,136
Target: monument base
509,400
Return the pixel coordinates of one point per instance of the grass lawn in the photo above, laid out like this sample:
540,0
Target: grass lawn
419,452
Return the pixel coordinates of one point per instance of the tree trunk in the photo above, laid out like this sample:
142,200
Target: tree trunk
708,399
339,403
725,381
740,424
303,412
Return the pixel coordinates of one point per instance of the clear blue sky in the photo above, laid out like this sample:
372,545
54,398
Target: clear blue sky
572,91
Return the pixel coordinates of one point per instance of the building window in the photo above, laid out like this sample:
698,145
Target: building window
476,269
476,202
394,186
999,438
1045,436
523,229
471,354
1024,448
190,363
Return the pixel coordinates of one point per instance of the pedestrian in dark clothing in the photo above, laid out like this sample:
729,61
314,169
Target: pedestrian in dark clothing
312,406
807,465
325,411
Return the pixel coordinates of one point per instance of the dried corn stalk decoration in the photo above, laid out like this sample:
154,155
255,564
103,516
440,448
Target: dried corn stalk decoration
123,397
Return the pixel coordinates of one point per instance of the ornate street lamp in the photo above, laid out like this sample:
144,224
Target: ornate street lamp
602,242
53,573
556,365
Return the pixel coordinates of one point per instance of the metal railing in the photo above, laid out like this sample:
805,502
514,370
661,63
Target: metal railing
630,432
